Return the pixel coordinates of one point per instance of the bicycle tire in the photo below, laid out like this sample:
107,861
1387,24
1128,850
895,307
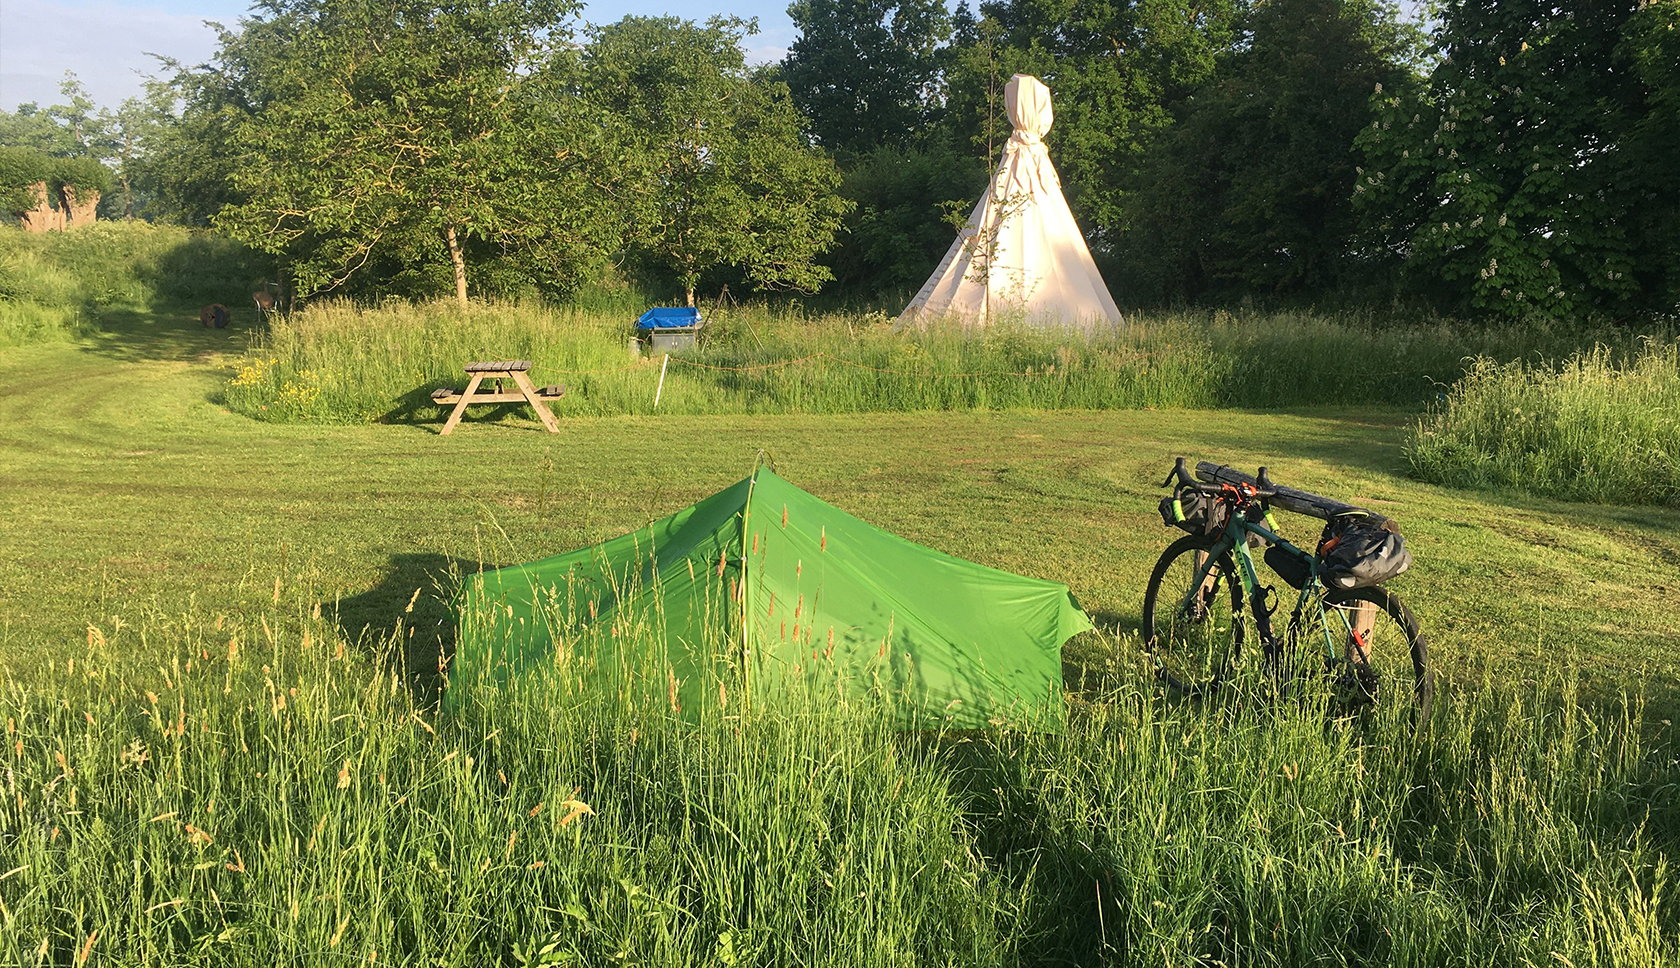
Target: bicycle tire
1397,653
1192,653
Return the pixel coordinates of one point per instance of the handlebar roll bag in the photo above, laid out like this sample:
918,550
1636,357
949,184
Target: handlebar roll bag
1193,511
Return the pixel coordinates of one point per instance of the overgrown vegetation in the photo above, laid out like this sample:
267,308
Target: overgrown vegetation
1601,426
22,169
343,363
214,789
58,284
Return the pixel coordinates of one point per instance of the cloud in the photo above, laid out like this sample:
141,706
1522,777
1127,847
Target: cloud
104,44
770,44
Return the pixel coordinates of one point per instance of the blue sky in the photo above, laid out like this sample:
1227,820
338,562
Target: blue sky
106,42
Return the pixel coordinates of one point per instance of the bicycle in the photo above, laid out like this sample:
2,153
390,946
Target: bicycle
1193,609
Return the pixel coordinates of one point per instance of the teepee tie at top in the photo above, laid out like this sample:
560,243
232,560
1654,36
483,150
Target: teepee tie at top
1028,102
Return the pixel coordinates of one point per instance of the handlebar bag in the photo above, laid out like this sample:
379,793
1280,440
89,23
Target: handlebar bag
1356,554
1204,514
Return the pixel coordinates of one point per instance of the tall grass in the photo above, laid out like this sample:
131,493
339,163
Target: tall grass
195,790
58,284
1601,427
339,362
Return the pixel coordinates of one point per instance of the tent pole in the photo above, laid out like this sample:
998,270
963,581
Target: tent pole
746,631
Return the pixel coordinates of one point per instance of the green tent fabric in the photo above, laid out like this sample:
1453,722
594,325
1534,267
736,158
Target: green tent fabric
765,589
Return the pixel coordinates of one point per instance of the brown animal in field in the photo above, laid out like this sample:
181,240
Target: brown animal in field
214,316
265,300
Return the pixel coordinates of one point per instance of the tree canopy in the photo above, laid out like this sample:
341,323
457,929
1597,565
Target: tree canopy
717,171
1515,160
404,130
865,72
1519,179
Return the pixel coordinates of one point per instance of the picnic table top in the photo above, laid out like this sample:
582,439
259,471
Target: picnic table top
499,366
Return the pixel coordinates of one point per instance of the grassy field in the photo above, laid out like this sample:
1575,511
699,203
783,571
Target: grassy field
285,798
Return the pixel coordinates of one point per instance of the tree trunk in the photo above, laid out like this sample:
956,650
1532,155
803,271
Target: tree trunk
460,263
690,298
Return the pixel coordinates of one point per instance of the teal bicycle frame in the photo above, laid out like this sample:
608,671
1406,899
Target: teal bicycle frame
1234,541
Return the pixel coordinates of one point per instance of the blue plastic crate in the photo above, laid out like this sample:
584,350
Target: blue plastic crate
670,317
668,328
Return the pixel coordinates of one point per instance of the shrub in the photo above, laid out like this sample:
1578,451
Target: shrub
1602,427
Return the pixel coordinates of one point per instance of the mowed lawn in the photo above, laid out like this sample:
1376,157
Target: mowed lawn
126,490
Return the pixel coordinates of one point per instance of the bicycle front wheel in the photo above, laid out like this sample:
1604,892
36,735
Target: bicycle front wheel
1374,650
1191,624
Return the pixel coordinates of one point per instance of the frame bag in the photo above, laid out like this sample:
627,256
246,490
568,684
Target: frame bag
1356,554
1202,514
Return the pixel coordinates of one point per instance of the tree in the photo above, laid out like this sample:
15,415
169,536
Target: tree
864,72
901,224
375,131
1250,188
714,170
1651,47
1509,183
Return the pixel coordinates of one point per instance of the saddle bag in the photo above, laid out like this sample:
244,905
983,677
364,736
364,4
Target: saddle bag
1354,553
1203,514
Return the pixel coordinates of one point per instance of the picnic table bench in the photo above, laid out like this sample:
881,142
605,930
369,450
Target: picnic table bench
499,370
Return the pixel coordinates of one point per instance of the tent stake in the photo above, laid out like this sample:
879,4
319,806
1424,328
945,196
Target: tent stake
661,390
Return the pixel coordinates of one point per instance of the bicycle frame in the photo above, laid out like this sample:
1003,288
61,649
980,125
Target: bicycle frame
1235,542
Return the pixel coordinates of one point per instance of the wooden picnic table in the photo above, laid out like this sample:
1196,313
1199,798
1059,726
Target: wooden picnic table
499,370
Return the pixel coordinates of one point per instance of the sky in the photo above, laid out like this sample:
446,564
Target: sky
107,43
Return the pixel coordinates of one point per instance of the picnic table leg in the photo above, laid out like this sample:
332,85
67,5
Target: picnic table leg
461,405
537,403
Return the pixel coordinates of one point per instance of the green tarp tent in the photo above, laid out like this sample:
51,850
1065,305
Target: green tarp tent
762,589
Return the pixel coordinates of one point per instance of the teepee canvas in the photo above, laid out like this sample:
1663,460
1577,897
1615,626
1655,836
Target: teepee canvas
1021,253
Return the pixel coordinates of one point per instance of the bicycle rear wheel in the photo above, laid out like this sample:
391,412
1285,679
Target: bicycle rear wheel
1381,656
1192,630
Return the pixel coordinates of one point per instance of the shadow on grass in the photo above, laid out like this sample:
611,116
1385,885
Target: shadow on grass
407,619
170,335
415,408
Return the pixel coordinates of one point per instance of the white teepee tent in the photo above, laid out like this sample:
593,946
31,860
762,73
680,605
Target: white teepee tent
1021,253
